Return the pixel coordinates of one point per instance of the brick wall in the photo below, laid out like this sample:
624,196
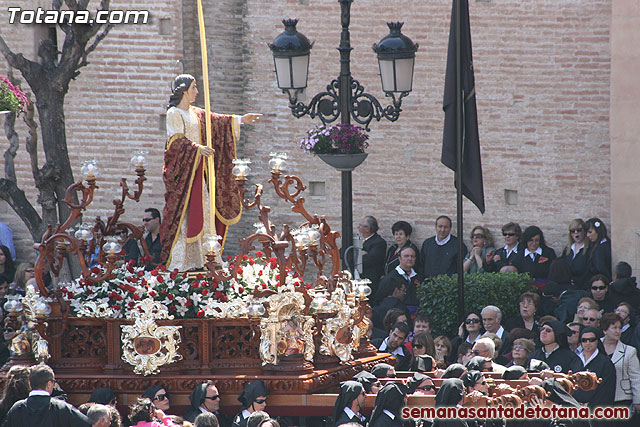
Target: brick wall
542,83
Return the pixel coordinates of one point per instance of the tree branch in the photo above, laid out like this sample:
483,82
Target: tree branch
93,46
16,198
31,141
16,61
10,153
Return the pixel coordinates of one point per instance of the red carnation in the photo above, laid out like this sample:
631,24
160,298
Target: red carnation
140,273
239,270
240,289
143,281
118,298
173,275
245,257
163,268
131,304
154,272
131,262
200,313
264,285
95,270
152,293
184,275
116,307
251,261
224,298
160,279
260,273
259,254
172,307
308,285
170,297
136,297
273,259
70,294
189,303
199,276
195,284
229,258
133,279
204,292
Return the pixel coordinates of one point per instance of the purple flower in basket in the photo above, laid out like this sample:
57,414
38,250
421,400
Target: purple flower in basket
337,139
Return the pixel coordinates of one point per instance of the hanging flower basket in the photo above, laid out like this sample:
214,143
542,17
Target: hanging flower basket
12,99
344,162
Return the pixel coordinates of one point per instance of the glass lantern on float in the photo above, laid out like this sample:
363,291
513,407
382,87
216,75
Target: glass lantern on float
277,162
361,288
138,160
111,248
90,170
241,169
84,232
213,249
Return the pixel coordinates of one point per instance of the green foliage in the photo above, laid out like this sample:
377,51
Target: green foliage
439,297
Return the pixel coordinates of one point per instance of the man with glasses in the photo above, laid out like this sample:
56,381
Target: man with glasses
591,317
502,257
572,337
205,398
39,409
555,350
485,347
151,221
349,403
599,287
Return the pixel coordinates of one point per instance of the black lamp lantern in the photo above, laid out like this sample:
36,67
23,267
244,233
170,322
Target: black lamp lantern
396,56
291,57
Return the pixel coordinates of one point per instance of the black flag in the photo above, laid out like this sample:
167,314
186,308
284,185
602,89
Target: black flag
472,186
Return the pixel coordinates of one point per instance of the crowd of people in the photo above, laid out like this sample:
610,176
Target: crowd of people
579,315
32,397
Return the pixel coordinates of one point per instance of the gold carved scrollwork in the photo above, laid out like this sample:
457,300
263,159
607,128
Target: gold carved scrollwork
147,346
286,331
225,310
340,336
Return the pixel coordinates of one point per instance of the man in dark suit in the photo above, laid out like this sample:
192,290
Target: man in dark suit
40,409
492,322
440,252
394,344
374,249
405,273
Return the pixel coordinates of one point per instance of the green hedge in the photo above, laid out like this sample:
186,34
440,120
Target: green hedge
439,297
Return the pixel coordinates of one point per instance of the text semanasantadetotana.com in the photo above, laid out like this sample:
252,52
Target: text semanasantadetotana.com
521,412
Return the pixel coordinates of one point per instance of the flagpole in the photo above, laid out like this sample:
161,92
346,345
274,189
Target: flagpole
459,138
207,107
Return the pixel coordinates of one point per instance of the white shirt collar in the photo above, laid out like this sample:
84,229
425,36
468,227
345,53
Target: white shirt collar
404,274
39,393
625,327
397,351
246,413
393,417
603,240
498,333
443,242
527,252
364,239
352,414
573,249
546,355
509,252
586,362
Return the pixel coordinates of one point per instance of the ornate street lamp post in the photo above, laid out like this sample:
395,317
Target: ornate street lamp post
345,97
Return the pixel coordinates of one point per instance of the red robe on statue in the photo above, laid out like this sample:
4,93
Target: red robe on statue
185,178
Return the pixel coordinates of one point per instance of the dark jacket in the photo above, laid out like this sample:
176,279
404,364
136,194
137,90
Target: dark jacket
380,311
440,259
626,290
385,288
403,362
600,260
494,267
538,267
373,261
44,411
601,365
562,358
196,399
579,265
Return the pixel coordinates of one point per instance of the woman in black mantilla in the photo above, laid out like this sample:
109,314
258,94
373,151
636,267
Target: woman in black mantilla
352,396
387,411
600,254
253,398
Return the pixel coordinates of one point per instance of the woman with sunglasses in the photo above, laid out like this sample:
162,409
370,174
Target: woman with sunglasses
625,361
423,347
511,232
600,254
159,396
520,351
481,250
577,252
594,359
468,331
253,398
